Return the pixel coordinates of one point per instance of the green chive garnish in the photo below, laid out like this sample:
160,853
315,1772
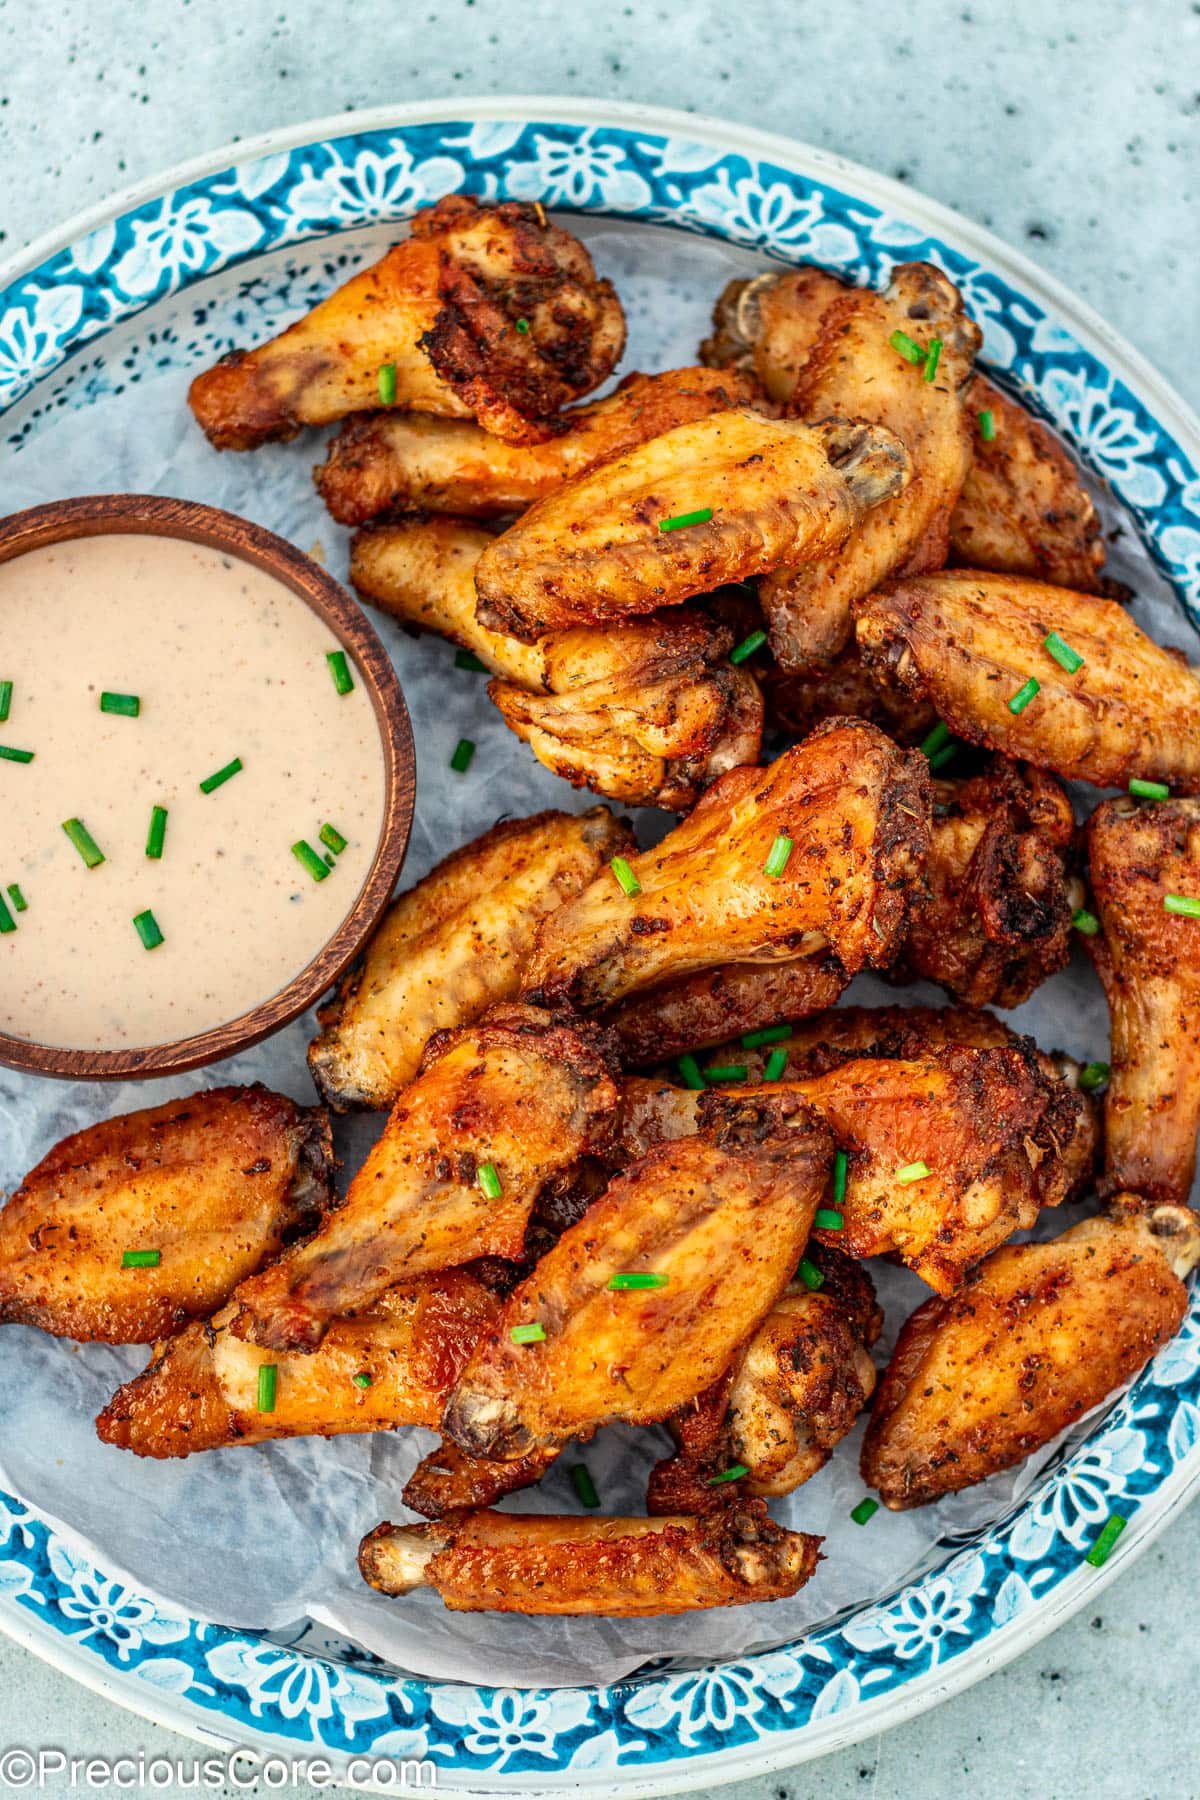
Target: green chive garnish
649,1280
689,1068
467,659
1062,652
156,837
211,782
528,1334
777,859
268,1381
727,1072
770,1034
987,426
912,1172
7,922
489,1181
332,839
19,902
931,358
629,882
6,688
941,757
700,517
1093,1076
309,859
904,346
585,1487
464,750
128,706
387,384
1105,1544
1182,903
775,1065
146,926
8,754
826,1219
810,1275
1024,695
938,737
523,327
141,1259
734,1473
339,669
362,1380
1149,790
1085,921
841,1165
748,646
84,842
866,1509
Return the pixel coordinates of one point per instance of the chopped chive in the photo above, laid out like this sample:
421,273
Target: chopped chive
938,737
1104,1545
841,1165
339,670
770,1034
932,356
775,1065
523,327
1149,790
912,1172
810,1275
585,1487
212,782
147,928
866,1509
827,1219
987,426
727,1072
8,754
904,346
1024,695
528,1334
156,837
489,1181
777,858
1093,1076
1062,652
629,883
700,517
6,688
941,757
7,922
268,1381
362,1380
689,1068
748,646
1182,903
464,750
84,842
651,1279
1085,921
387,384
734,1473
309,859
19,902
467,659
141,1259
333,840
128,706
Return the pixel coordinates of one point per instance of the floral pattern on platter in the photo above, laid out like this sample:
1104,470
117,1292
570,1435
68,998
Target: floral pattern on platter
1137,1459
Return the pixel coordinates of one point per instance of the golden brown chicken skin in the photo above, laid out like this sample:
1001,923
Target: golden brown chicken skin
392,1364
451,947
441,310
416,462
714,1004
769,326
1148,960
448,1480
613,1568
212,1186
1040,1335
717,1222
969,642
767,491
514,1094
855,810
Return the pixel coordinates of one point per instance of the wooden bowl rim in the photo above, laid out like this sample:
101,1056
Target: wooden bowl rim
156,515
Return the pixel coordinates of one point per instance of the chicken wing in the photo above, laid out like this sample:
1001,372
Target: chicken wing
390,1365
1042,1334
845,814
485,312
718,1003
971,643
201,1192
1148,960
497,1111
451,947
856,370
616,1568
415,462
769,326
797,704
450,1481
644,1302
724,498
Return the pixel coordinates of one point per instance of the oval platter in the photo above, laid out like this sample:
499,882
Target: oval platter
83,312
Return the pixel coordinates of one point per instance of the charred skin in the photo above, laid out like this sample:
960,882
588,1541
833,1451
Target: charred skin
448,1480
720,1003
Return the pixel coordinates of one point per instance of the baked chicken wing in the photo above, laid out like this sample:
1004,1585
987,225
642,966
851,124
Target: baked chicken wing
971,643
196,1194
812,856
769,326
484,312
615,1568
1041,1334
719,1003
724,498
451,947
448,1480
498,1110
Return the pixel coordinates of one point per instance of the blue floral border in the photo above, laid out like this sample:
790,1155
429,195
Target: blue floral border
1144,1452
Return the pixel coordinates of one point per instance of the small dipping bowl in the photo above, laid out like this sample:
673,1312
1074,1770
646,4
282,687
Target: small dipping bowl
153,516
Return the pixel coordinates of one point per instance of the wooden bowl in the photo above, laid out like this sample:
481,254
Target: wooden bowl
155,516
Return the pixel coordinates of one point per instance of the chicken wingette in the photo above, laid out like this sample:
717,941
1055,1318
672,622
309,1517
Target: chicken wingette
131,1227
449,1480
715,1004
769,326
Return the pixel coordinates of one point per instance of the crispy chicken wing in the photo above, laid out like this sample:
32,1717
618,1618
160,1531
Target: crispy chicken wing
515,1095
799,703
392,1364
769,326
485,312
616,1568
767,491
451,947
717,1003
854,370
1042,1334
970,642
448,1480
718,1220
414,462
212,1186
1148,960
853,812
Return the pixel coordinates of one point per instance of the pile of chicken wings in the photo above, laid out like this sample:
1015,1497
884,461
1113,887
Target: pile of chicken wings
636,1159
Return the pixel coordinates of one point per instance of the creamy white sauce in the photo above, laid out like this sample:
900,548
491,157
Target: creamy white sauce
227,662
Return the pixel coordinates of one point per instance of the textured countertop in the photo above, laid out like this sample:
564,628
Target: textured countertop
1073,131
